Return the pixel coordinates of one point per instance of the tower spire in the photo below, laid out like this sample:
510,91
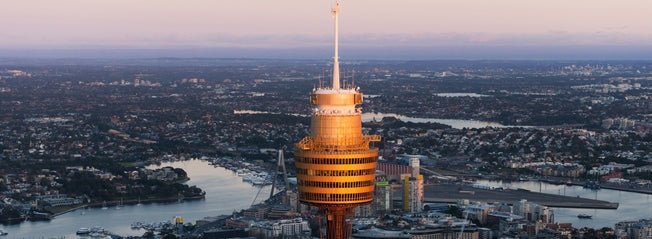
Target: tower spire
336,57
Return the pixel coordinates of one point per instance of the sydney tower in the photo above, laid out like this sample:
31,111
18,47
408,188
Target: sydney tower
335,164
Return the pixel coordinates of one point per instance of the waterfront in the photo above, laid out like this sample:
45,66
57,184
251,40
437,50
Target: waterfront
455,123
453,193
369,117
225,192
633,206
461,95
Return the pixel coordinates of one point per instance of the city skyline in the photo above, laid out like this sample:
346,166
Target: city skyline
554,27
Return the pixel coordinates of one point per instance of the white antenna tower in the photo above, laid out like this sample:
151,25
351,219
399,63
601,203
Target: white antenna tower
336,58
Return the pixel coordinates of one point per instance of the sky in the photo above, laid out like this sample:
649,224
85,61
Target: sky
508,27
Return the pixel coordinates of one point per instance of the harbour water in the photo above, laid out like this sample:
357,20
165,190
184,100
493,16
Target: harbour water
460,95
225,192
369,117
455,123
633,206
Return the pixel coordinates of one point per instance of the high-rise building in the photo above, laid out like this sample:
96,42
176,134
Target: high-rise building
413,189
534,212
383,196
336,164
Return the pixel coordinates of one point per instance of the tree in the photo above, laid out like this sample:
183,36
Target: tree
180,172
455,211
170,236
9,213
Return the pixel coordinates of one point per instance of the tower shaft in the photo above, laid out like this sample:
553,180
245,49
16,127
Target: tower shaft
336,225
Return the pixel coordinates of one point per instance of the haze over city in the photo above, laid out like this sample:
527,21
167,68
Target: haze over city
334,119
422,29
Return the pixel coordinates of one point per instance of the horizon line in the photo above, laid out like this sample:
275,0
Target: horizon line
404,53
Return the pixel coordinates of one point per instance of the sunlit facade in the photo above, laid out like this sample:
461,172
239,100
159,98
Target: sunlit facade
335,164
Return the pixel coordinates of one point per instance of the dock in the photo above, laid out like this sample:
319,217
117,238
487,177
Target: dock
452,193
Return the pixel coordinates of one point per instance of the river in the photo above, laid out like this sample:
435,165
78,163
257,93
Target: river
455,123
474,95
225,192
369,117
633,206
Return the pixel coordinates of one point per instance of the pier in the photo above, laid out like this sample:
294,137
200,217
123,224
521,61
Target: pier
452,193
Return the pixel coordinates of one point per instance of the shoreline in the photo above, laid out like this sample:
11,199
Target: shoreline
622,188
631,190
602,186
129,202
451,193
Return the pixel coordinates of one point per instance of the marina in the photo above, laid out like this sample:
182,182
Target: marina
249,172
93,232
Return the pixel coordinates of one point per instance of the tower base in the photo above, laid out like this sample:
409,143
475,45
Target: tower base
337,226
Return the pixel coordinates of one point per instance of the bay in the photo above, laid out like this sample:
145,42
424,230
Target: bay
455,123
633,206
225,192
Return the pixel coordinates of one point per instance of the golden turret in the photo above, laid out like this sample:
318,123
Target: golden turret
335,164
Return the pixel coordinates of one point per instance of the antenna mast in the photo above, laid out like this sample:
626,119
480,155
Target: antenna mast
336,58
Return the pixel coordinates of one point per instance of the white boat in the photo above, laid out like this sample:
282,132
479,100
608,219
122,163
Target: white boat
97,229
261,181
242,172
3,233
136,225
83,231
119,205
248,178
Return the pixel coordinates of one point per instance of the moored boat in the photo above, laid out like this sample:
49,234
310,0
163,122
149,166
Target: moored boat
83,231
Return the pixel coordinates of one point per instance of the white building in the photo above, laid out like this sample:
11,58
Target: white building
534,212
479,212
59,200
641,229
285,228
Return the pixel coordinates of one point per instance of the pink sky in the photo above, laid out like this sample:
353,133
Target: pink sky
305,23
